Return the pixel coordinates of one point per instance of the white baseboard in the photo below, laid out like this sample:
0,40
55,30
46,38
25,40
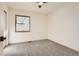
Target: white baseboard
65,45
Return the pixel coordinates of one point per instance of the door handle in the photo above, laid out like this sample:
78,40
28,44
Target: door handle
2,38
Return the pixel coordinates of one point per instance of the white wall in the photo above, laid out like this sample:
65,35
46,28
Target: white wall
38,27
63,26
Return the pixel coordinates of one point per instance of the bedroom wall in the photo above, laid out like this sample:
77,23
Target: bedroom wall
63,26
38,26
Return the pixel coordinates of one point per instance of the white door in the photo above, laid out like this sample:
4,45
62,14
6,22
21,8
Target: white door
3,26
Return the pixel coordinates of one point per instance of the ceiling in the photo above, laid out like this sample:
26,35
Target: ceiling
33,6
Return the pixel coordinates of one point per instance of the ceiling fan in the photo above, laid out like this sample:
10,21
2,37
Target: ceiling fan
40,4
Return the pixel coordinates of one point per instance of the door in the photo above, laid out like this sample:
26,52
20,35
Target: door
3,26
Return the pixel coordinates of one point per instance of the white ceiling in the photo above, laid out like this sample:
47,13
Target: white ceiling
33,6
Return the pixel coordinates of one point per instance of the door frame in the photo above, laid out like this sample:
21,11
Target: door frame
6,32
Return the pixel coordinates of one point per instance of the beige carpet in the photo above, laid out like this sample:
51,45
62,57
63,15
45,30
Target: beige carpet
39,48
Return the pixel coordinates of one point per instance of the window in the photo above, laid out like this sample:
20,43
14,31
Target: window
22,23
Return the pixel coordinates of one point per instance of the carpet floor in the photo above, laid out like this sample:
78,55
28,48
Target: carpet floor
39,48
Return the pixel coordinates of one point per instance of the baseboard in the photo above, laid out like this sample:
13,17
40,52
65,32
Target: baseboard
64,45
43,39
25,42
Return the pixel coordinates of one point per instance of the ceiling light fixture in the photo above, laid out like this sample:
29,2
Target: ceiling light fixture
40,4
